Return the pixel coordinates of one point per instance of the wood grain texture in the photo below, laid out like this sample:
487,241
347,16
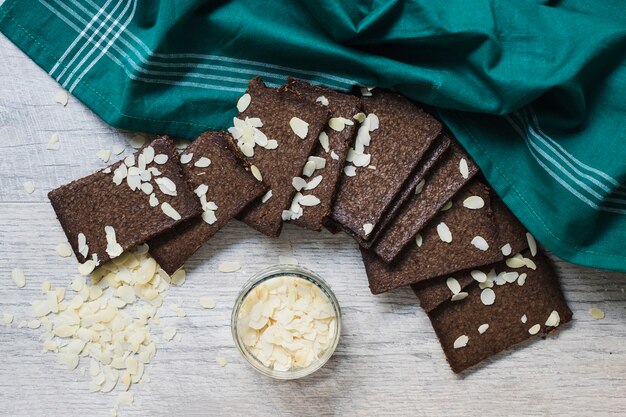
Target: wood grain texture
388,361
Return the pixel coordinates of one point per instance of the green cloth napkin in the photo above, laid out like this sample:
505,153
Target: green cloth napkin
534,90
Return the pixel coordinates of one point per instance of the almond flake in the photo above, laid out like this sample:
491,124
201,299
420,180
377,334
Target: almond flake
83,248
18,277
267,196
506,249
186,158
221,361
338,124
309,201
166,186
129,161
446,206
453,285
483,328
366,91
419,187
596,313
479,276
7,318
529,263
298,183
349,170
334,155
256,173
170,211
444,232
64,250
29,187
534,329
311,185
228,266
154,201
113,248
203,162
53,142
320,163
474,202
367,228
461,342
137,141
459,296
118,149
521,280
487,296
182,144
524,319
359,117
207,302
169,333
322,100
287,260
309,168
299,127
532,244
243,102
104,154
419,240
463,168
553,319
87,267
324,141
480,243
161,159
373,121
61,97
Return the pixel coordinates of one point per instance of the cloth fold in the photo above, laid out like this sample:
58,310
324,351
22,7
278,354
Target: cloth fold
533,90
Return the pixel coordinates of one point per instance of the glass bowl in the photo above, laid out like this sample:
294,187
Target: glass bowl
267,274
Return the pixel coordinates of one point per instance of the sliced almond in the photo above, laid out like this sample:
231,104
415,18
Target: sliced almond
243,102
444,232
170,211
256,172
299,127
480,243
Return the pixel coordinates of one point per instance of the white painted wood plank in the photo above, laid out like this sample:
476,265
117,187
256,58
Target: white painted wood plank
388,361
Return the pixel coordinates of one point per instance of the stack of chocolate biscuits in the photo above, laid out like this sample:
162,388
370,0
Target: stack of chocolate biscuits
377,167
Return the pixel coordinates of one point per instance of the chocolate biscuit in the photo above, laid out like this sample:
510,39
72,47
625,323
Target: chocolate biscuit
125,204
222,180
276,132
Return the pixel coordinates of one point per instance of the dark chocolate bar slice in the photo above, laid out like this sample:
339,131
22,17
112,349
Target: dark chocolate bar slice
492,318
446,179
456,239
125,204
388,147
276,132
333,147
222,180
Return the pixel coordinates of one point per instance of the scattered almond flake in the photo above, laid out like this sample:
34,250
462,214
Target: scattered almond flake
147,188
104,154
338,124
320,163
87,267
129,161
178,277
186,158
444,232
118,149
29,187
506,249
596,313
530,263
167,186
447,206
367,91
34,324
120,174
169,333
148,156
521,280
324,141
267,196
137,141
7,318
480,243
478,276
510,277
64,250
459,296
359,117
334,155
487,296
154,201
474,202
322,100
524,319
180,312
287,260
349,170
255,171
515,262
534,329
53,143
18,277
229,266
311,185
532,243
61,97
420,186
170,211
221,361
243,102
553,319
309,201
483,328
182,144
207,302
461,341
209,216
203,162
309,168
419,240
453,285
463,168
367,228
161,159
113,248
299,127
298,183
125,398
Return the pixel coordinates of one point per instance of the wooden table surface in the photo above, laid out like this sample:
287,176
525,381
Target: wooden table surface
388,361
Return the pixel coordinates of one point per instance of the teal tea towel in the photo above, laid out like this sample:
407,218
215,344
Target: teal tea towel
534,90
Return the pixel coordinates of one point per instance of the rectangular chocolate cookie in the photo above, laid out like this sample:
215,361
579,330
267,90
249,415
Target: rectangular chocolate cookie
333,147
456,239
492,317
436,151
277,132
222,180
125,204
434,292
389,145
445,180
